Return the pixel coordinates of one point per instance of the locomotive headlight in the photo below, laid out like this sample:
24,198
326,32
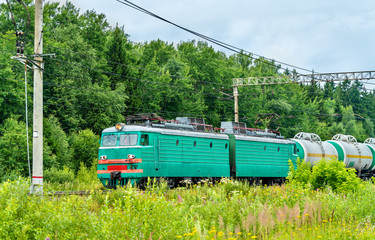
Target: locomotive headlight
103,157
119,126
130,156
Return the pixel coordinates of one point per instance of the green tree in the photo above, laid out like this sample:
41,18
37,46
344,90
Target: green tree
12,85
85,148
94,29
101,107
116,52
57,141
13,150
120,67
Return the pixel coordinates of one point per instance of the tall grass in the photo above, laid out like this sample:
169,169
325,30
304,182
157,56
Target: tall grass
65,179
227,210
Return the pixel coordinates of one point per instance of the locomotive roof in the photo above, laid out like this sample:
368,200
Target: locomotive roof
263,139
135,128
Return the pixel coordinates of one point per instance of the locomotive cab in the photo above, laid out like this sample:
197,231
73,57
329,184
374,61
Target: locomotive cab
120,156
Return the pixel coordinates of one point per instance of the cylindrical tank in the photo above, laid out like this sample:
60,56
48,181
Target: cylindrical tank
312,149
370,142
353,154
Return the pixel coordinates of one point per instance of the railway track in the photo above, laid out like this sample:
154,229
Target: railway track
80,193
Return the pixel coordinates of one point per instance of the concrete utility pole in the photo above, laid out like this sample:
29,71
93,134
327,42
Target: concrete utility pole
235,95
37,178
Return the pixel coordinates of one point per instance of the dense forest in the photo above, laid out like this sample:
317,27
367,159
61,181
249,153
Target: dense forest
99,76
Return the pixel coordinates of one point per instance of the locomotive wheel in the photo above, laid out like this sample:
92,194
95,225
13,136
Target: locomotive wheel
171,183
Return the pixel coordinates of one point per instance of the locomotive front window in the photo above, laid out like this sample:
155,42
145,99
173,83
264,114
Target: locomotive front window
109,140
128,139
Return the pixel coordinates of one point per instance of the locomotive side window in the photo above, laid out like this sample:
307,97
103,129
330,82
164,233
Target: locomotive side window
109,140
144,139
128,139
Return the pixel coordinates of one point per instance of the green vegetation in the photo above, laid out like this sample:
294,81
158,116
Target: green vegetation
226,210
99,76
331,173
324,202
65,179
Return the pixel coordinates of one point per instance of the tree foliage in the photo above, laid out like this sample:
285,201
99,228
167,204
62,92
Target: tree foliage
85,145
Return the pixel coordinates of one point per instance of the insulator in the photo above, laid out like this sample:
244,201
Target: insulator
19,33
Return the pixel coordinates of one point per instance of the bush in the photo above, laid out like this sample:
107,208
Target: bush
87,175
300,174
11,176
54,175
85,146
332,173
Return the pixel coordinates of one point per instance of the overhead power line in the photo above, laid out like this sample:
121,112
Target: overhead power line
212,40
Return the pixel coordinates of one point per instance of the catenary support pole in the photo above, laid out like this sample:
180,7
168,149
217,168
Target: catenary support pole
235,95
37,177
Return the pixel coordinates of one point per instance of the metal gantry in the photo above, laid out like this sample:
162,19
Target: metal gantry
297,78
305,78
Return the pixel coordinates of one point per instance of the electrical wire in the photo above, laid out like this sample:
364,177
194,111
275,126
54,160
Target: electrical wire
212,40
336,115
169,112
27,125
59,85
213,96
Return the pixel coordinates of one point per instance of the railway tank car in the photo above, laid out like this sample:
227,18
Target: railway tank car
370,143
187,148
345,148
354,154
311,148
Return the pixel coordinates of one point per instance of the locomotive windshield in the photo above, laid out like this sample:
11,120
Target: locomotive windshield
128,139
109,140
124,140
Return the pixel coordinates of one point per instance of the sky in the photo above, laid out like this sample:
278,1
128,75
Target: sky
321,35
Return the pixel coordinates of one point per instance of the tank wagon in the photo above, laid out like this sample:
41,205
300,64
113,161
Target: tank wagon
345,148
189,149
311,148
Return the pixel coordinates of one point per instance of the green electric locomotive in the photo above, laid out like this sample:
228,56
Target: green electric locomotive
187,149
